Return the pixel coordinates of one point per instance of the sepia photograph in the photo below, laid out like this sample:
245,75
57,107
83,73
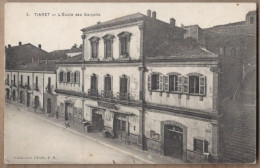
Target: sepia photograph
130,83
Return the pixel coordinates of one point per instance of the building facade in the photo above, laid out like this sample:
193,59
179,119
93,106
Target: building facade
131,83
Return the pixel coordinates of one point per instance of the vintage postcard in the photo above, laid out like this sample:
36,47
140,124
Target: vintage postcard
130,83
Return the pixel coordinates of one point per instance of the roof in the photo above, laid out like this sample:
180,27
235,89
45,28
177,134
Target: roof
77,58
190,26
24,54
251,13
35,67
124,20
121,20
185,49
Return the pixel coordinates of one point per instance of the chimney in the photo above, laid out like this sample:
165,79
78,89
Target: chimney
20,43
9,46
149,13
172,22
154,14
39,46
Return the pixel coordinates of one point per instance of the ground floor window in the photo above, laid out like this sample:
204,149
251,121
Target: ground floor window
200,145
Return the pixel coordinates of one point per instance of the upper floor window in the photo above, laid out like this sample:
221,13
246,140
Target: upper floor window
76,77
124,46
94,41
194,84
61,76
123,94
28,80
14,79
108,45
155,82
36,85
108,83
173,82
200,145
21,80
93,81
49,82
68,77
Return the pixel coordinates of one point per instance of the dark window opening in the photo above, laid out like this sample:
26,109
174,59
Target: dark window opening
252,20
68,77
94,49
61,77
108,48
155,81
93,82
173,83
194,84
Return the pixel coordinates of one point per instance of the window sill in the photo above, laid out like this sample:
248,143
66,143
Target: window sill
93,59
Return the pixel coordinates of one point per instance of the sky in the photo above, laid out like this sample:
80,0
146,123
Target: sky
24,22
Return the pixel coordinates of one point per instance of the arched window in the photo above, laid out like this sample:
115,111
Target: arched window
61,76
93,82
68,77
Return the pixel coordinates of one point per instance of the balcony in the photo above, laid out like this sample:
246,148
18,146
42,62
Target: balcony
36,87
7,82
49,89
93,93
13,83
21,84
123,96
107,94
27,86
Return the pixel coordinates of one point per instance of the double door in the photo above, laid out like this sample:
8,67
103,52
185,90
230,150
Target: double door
120,127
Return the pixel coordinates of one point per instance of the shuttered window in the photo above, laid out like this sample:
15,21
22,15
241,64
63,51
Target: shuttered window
202,85
72,77
108,48
76,77
61,77
155,82
186,84
180,84
68,77
194,84
149,82
93,82
166,83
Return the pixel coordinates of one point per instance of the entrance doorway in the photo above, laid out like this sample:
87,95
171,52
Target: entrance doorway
119,127
13,95
7,93
21,97
97,121
68,111
28,99
36,102
173,141
48,106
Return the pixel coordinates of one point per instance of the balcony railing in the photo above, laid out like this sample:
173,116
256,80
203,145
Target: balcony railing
35,87
13,83
27,86
123,96
49,89
20,84
107,94
93,93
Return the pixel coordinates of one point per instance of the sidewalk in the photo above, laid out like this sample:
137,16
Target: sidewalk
145,156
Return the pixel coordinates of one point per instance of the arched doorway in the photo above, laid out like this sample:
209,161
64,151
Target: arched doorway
174,139
14,95
21,97
49,106
7,93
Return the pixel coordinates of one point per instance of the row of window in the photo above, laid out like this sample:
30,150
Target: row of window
191,84
124,39
69,77
35,85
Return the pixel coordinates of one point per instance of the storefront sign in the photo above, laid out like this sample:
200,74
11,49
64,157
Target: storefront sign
107,105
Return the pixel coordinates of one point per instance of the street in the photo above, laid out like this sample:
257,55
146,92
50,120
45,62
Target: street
32,139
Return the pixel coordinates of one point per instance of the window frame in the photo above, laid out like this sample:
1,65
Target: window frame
124,36
204,144
179,83
200,85
94,42
96,82
108,38
61,77
68,74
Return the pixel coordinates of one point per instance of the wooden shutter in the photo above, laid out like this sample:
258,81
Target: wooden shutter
166,83
180,84
71,77
64,77
149,82
202,85
77,77
161,82
186,84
